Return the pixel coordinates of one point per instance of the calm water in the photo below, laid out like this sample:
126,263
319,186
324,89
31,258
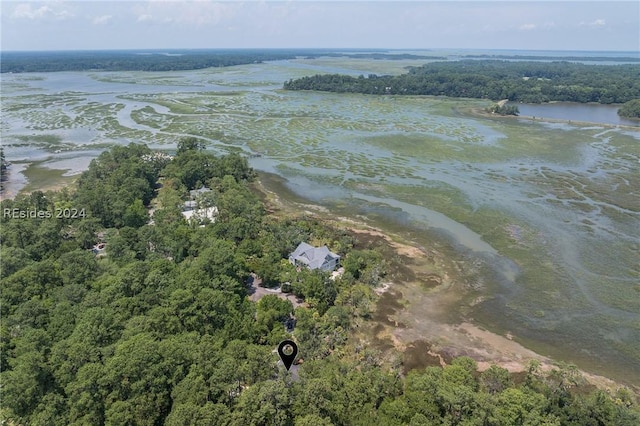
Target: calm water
549,213
591,113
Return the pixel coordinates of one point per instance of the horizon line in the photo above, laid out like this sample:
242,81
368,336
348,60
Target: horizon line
133,49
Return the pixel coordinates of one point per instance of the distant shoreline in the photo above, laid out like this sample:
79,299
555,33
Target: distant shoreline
167,60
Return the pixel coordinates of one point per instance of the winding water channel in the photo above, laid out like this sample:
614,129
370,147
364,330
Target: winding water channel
548,212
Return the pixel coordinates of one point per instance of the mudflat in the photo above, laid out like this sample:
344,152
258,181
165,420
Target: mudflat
539,218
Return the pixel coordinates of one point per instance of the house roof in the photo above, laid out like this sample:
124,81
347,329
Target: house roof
190,205
311,256
199,214
196,192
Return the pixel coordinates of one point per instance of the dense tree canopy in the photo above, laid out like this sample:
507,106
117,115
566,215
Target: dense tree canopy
118,184
630,109
525,81
160,329
134,60
503,109
169,60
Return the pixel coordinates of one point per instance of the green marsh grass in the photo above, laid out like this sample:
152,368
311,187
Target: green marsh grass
42,178
426,151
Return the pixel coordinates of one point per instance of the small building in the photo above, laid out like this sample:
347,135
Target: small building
189,205
99,249
195,193
199,209
200,216
314,257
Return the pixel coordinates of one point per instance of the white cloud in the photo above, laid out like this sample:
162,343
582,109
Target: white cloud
41,24
145,17
191,13
102,20
26,11
594,24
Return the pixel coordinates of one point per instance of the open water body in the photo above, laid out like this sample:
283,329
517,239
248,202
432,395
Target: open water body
550,212
594,113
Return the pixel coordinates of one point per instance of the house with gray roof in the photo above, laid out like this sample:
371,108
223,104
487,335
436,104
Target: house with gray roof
195,193
314,257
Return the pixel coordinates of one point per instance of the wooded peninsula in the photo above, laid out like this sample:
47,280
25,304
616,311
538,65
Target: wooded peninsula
123,311
170,60
630,109
125,60
517,81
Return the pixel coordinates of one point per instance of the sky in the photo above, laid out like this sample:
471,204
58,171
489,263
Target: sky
175,24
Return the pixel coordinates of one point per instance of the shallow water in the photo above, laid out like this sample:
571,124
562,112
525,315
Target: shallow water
549,212
594,113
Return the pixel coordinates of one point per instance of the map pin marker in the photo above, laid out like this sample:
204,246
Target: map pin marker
287,351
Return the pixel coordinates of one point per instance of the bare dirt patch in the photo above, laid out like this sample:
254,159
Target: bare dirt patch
257,292
400,248
418,354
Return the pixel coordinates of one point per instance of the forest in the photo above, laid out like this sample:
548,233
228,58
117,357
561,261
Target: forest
630,109
569,58
517,81
170,60
125,60
158,328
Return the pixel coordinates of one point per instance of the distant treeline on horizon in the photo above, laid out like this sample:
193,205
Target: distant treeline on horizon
191,59
170,60
134,60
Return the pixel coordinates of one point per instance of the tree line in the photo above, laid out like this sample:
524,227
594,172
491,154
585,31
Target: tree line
518,81
569,58
503,109
161,331
630,109
18,62
4,165
171,60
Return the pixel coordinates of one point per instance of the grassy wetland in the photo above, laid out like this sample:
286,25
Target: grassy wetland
539,220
